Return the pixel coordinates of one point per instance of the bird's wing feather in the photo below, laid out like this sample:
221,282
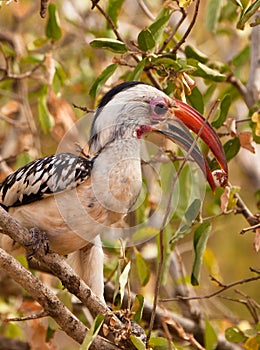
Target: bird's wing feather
44,177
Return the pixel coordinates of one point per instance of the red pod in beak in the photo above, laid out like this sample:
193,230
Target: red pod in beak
193,120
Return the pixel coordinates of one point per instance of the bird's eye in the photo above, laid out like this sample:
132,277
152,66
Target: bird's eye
160,108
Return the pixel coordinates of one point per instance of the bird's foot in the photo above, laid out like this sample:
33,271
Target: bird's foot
39,239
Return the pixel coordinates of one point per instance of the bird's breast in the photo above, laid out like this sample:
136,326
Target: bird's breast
117,185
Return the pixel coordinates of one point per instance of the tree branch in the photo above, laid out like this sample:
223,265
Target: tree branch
48,300
69,279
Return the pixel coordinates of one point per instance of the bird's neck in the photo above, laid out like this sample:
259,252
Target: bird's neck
116,175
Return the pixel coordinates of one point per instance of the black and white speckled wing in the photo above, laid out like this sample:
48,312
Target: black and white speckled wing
44,177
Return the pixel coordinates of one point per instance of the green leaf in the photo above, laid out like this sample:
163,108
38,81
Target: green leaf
123,278
193,211
136,75
208,73
189,216
13,330
137,342
143,269
39,42
113,45
224,108
101,79
65,297
23,159
231,148
209,92
53,30
23,260
158,26
234,335
146,40
212,14
137,307
46,119
49,334
242,57
247,14
199,243
145,233
210,337
182,231
160,343
113,8
167,62
196,100
92,332
190,52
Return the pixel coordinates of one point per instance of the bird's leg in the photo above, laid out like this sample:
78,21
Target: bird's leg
39,238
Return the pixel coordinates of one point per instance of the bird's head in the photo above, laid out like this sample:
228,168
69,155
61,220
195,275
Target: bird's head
132,109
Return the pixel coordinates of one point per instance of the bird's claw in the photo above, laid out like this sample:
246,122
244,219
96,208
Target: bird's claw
39,239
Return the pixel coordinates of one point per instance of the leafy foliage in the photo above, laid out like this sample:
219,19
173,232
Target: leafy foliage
79,52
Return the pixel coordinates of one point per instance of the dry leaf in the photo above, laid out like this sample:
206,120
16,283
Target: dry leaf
228,199
10,108
224,199
257,240
105,329
64,121
50,68
231,125
246,141
112,322
35,330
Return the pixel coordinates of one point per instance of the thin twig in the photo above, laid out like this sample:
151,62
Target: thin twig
224,287
170,37
8,75
251,228
243,120
249,303
185,336
11,121
191,25
245,211
84,109
240,87
167,333
109,20
209,218
146,10
27,318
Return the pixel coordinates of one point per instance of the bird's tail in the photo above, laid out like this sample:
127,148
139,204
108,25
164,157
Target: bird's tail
88,264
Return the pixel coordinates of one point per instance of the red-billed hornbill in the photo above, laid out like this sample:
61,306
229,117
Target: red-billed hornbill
73,198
